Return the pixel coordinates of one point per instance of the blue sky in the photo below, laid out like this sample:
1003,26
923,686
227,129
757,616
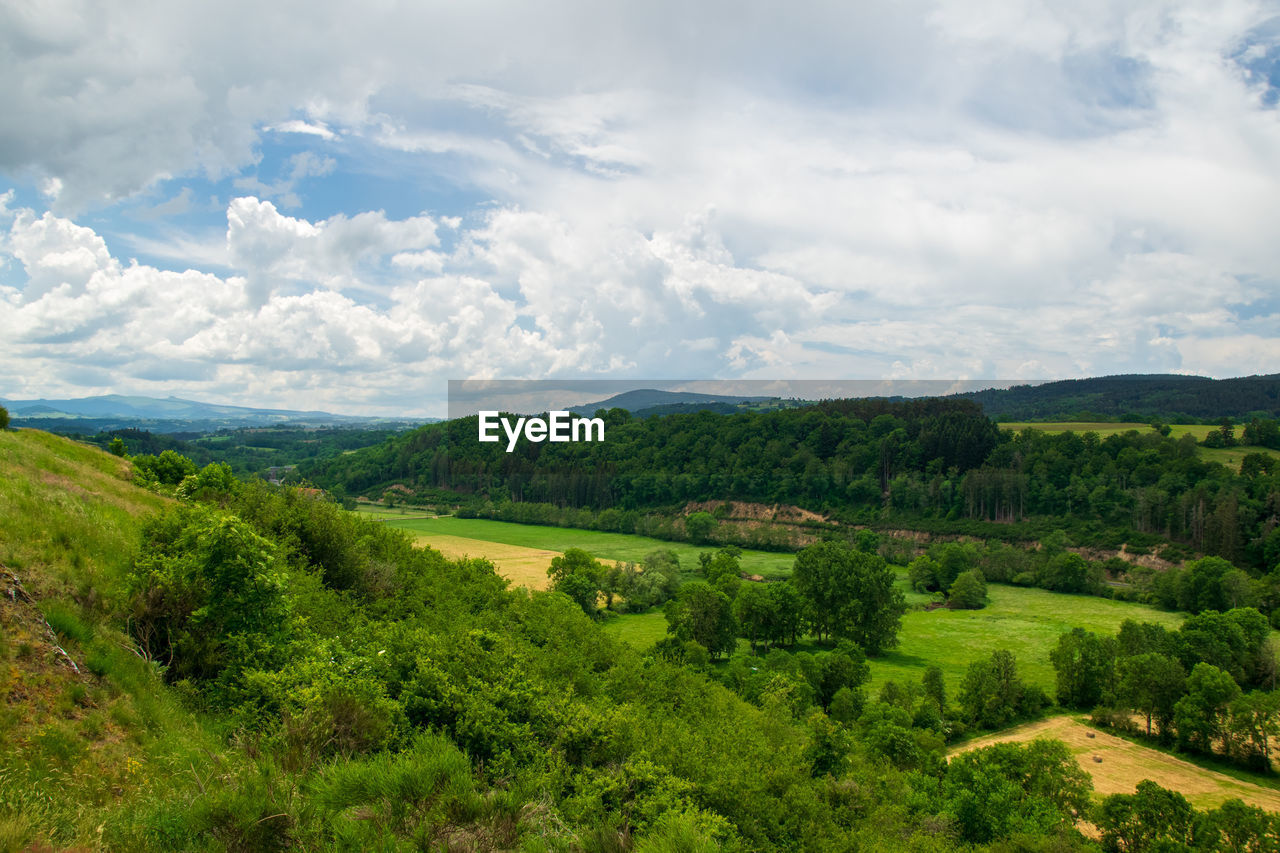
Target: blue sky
310,205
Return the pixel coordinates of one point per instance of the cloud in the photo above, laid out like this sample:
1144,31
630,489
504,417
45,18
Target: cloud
920,189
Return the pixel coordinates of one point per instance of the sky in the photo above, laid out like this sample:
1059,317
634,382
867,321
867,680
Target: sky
336,206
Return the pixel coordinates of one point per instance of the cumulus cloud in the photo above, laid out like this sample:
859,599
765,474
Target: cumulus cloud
928,188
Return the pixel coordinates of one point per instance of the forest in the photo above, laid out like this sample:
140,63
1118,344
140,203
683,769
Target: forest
935,464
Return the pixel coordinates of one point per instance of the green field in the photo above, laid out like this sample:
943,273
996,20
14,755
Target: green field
1022,620
1229,456
1106,428
605,546
1025,621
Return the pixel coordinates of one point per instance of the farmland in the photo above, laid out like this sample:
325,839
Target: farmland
1118,765
1228,456
604,546
1025,621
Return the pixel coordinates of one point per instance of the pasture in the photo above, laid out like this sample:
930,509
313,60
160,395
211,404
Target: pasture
1024,620
603,546
1125,763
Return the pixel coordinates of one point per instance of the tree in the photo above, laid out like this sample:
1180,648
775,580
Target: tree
116,447
851,595
1151,684
167,469
4,418
578,575
922,573
754,610
1201,715
1085,666
788,612
699,526
704,615
1008,788
992,694
1253,724
844,667
968,591
1151,818
934,686
207,593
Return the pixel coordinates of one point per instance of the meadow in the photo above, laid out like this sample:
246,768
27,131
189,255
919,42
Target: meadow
603,546
1025,621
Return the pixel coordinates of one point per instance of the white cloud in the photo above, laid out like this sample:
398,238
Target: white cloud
924,188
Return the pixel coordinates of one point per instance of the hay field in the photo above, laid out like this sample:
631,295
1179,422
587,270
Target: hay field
522,566
1124,764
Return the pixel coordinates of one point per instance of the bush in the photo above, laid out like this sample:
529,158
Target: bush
969,591
206,593
4,418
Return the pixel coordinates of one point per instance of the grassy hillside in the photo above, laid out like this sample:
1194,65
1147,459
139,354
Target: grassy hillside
92,737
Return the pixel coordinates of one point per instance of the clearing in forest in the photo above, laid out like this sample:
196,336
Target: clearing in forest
1124,764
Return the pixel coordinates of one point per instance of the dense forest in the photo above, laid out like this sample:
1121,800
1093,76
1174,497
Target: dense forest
1168,398
934,464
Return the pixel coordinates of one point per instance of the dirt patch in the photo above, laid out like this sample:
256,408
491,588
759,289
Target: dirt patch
1118,765
744,511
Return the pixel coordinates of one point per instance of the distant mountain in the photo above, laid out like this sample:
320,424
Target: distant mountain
648,398
171,414
1135,397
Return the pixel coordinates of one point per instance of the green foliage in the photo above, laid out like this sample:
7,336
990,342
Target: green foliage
1086,668
699,526
705,615
1151,684
1011,789
207,593
578,575
851,595
420,791
167,469
992,695
1201,715
968,591
4,418
1152,818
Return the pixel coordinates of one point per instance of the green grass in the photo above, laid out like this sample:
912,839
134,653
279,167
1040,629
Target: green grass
640,630
605,546
1025,621
381,512
1103,429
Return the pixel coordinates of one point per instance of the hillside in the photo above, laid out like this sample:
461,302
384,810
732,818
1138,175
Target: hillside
245,667
1167,398
88,415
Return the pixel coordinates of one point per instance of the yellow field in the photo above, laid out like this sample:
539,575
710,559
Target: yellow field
1124,764
522,566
